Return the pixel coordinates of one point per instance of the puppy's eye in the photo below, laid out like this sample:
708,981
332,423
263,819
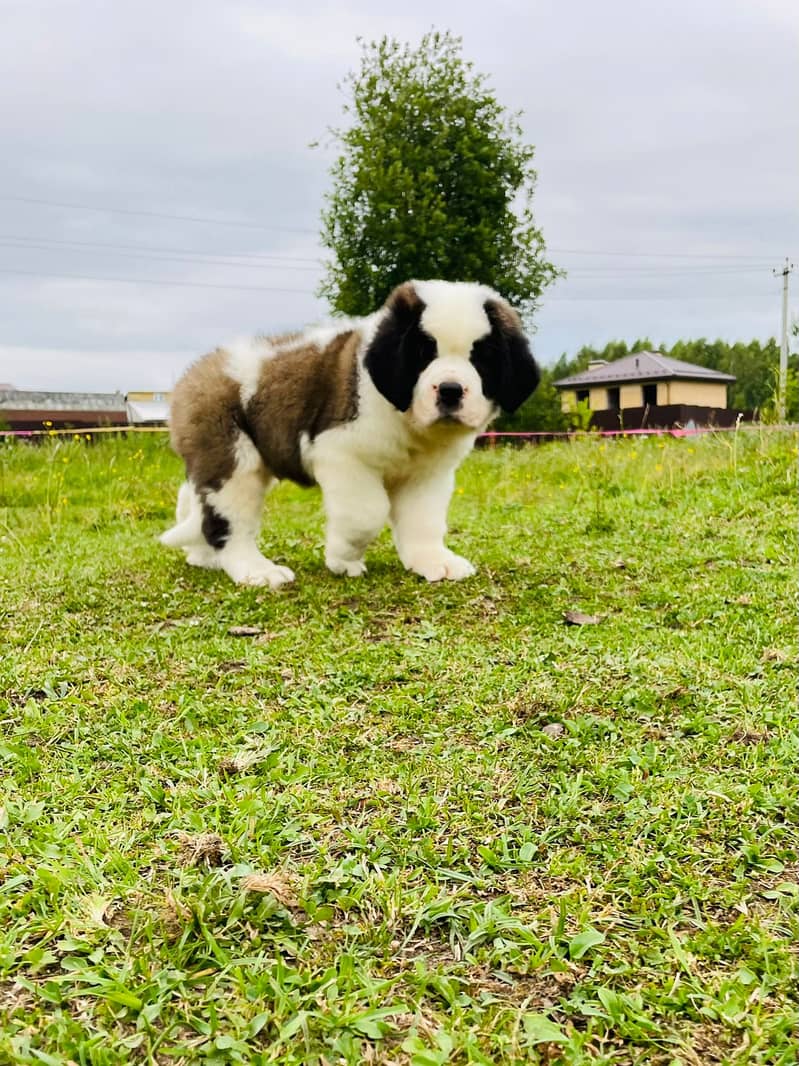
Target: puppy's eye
424,350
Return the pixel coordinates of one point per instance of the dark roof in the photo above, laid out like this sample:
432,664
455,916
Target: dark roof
643,366
28,400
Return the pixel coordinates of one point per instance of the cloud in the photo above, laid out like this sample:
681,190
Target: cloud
109,370
658,130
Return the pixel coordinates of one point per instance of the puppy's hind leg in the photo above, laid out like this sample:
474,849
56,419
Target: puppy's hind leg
231,520
187,500
187,533
188,514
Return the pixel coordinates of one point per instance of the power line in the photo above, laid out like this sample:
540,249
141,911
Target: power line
154,248
151,281
642,298
659,255
308,292
159,258
305,229
277,262
155,214
580,273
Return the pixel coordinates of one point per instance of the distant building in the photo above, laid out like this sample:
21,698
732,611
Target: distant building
148,408
25,409
649,389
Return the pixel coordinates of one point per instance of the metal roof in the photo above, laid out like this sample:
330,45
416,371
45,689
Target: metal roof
27,400
642,366
140,412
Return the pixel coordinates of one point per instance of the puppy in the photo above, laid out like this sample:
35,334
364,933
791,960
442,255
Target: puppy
377,411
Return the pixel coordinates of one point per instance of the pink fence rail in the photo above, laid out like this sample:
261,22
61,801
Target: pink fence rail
676,431
538,436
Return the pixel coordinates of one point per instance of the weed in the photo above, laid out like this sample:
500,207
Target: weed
405,823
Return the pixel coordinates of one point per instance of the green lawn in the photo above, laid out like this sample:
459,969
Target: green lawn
405,823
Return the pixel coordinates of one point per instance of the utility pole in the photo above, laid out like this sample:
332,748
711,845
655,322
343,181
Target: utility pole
783,379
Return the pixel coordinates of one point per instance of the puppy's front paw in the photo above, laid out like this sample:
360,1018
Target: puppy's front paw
350,567
280,575
258,576
442,566
202,555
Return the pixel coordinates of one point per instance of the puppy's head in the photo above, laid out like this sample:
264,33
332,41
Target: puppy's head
450,352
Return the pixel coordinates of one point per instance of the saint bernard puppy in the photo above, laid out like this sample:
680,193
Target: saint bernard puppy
377,411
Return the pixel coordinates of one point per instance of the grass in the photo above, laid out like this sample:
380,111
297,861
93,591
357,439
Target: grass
405,823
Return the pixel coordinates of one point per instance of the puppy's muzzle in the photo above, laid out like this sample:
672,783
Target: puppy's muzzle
450,397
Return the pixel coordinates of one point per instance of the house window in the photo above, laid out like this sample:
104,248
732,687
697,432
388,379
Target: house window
582,395
650,394
614,398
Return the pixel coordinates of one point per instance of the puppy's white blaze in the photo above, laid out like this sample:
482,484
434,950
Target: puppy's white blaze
454,314
475,410
245,357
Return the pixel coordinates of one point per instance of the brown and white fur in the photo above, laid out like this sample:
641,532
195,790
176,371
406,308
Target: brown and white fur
379,412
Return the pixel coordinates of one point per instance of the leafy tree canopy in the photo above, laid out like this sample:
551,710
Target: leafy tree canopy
433,180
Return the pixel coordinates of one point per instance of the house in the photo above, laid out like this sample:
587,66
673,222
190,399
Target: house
649,389
148,408
26,410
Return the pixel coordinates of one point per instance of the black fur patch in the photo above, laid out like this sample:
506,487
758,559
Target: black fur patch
503,360
216,528
401,349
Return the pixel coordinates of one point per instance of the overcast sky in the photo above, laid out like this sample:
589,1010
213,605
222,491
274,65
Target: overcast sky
667,149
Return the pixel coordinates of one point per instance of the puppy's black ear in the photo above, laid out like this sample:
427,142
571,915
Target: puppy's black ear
503,359
400,350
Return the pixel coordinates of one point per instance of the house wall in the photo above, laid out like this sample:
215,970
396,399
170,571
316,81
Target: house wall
630,396
598,398
698,393
45,419
568,400
157,397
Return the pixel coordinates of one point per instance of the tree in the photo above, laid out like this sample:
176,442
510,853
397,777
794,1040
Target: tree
541,412
754,364
433,181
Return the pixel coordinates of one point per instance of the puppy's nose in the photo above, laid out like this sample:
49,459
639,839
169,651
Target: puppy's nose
450,394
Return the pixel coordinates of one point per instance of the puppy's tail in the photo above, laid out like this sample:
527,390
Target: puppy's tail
188,529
